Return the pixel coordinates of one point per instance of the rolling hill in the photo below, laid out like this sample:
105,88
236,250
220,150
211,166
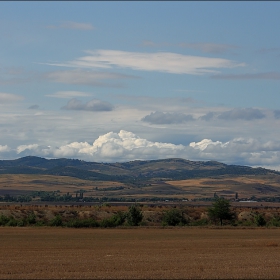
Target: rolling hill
165,178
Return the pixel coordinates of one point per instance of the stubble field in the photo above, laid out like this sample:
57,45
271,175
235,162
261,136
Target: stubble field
138,253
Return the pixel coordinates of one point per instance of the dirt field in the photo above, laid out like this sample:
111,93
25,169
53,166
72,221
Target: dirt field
150,253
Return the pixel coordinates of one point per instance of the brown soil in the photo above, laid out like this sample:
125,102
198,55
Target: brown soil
140,253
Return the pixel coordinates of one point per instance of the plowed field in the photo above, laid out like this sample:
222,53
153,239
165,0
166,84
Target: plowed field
150,253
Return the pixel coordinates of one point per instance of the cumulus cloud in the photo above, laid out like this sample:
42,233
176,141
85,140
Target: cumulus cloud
73,25
9,97
209,47
92,105
167,118
82,77
4,149
159,61
68,94
249,76
242,114
126,146
30,147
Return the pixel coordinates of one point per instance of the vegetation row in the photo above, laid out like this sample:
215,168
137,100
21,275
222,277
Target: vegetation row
220,213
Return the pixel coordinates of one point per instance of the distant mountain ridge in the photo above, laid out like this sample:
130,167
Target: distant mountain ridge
167,169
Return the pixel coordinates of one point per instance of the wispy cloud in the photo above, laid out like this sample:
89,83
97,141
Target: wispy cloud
83,77
248,76
9,97
160,62
73,25
209,47
92,105
68,94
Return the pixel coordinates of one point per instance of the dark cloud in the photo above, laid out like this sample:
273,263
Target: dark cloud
92,105
276,114
167,118
209,47
242,114
209,116
33,107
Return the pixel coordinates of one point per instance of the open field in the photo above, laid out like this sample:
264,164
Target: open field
150,253
260,186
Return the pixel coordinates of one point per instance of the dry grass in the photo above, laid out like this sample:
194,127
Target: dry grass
147,253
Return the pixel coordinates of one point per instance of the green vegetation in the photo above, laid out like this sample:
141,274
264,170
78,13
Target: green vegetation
174,217
220,210
134,215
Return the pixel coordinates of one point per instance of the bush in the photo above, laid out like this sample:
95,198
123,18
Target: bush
274,222
31,219
4,220
134,215
83,223
174,217
56,222
260,221
114,221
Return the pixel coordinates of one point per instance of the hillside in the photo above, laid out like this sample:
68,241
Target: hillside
153,179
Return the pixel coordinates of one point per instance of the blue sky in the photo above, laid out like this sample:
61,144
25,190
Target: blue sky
119,81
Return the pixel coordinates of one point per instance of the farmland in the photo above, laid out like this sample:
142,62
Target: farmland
139,253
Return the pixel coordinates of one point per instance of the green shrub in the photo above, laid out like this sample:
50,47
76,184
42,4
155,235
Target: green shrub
260,221
83,223
4,220
174,217
134,215
200,222
116,220
31,219
56,222
12,222
274,222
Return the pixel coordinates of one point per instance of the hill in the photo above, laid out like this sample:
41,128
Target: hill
166,178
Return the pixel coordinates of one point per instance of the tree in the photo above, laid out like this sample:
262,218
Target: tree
220,210
134,215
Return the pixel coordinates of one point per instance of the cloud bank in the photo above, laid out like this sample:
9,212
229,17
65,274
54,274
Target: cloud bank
126,146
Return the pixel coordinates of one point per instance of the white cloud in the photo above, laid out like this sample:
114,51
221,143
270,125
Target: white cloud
160,62
9,97
126,146
22,148
4,149
202,145
68,94
73,25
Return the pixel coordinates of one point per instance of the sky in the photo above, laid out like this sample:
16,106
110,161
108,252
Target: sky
121,81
